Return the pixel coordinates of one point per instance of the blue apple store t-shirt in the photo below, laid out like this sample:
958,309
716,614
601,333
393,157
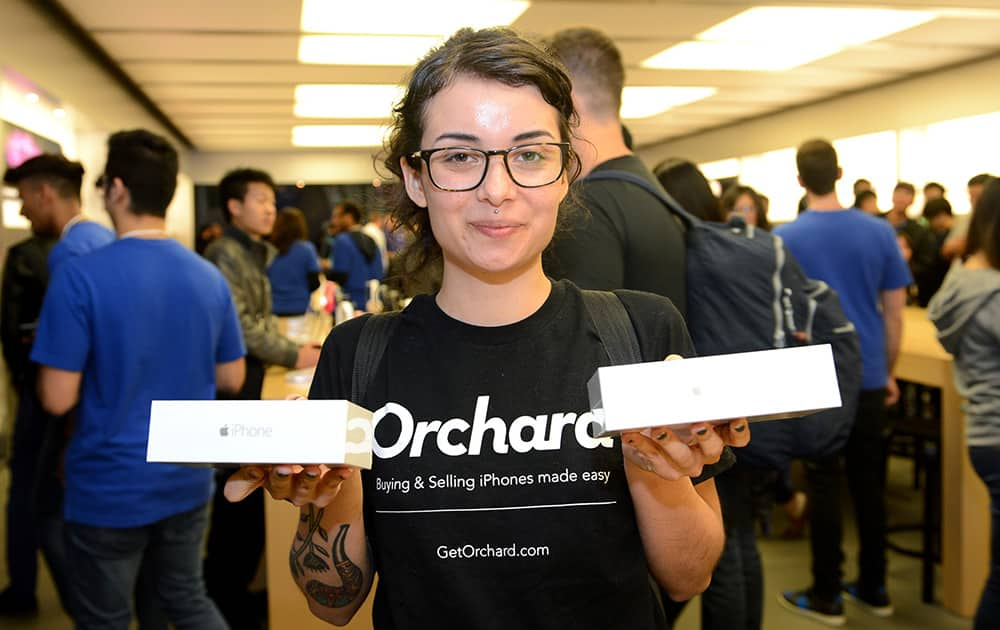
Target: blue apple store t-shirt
79,238
858,256
142,320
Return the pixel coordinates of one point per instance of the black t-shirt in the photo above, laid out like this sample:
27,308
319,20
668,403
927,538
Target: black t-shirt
624,238
489,505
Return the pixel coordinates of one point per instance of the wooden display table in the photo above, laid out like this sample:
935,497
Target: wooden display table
287,607
965,520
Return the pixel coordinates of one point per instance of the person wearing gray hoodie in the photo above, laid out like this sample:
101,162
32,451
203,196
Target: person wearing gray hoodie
966,312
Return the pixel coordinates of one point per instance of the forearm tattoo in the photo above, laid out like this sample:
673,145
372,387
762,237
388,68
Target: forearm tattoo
310,555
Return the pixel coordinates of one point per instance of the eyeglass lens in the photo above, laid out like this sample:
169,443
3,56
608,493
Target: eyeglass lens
463,168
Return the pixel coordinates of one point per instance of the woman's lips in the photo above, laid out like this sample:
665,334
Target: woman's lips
495,229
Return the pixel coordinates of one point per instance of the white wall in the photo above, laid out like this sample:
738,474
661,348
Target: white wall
310,166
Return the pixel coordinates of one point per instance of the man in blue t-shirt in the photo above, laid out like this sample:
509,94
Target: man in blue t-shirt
354,256
858,256
139,320
49,188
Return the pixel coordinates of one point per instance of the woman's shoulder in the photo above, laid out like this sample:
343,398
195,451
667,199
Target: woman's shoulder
305,247
644,306
658,324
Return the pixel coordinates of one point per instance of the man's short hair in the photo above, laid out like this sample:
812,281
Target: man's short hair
907,186
860,184
936,207
979,180
863,196
350,208
930,185
63,175
817,163
235,183
595,66
147,165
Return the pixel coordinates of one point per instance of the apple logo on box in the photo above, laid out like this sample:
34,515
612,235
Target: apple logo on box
224,430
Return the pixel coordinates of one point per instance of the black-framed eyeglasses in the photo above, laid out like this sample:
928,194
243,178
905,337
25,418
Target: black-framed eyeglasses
457,169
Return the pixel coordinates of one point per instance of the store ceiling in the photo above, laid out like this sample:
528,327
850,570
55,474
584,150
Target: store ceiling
224,71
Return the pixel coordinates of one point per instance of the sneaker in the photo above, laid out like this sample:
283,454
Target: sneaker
808,605
14,605
877,604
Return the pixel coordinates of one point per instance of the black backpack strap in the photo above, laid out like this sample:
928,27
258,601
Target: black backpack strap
617,334
614,327
374,338
652,188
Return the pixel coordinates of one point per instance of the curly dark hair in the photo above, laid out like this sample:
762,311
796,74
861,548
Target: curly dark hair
495,54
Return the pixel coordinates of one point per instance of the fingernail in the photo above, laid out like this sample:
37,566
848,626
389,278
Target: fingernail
704,430
741,428
312,474
662,436
281,473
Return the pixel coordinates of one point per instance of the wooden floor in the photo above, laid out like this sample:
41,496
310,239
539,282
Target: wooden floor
786,567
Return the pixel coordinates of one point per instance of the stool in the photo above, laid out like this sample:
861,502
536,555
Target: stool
915,429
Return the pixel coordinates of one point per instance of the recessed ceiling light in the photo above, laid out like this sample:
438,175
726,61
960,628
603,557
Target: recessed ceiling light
338,135
780,38
346,100
364,50
406,17
646,101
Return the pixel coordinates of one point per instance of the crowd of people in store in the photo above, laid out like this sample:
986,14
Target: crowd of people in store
509,207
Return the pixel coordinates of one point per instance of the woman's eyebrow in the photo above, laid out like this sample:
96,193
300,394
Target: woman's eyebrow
471,138
455,135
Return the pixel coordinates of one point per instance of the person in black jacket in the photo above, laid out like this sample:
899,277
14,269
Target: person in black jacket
25,278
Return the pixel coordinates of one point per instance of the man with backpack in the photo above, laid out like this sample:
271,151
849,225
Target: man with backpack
621,238
857,255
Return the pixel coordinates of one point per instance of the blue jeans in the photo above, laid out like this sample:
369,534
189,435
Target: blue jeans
735,598
105,564
986,461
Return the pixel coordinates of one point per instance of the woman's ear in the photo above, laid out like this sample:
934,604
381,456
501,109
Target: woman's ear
414,185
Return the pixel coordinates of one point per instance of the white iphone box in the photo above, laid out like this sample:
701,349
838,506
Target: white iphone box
229,432
764,385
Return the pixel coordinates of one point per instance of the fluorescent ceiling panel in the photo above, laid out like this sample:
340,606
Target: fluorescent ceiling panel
346,101
843,26
364,50
338,135
781,38
738,56
407,17
646,101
